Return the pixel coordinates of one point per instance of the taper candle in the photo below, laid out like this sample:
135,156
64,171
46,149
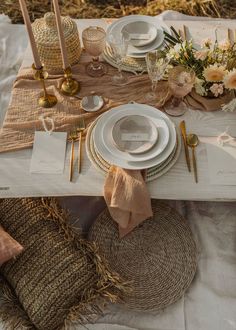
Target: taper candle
25,14
61,35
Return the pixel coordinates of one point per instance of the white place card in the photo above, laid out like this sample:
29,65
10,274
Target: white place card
140,137
140,36
48,152
221,162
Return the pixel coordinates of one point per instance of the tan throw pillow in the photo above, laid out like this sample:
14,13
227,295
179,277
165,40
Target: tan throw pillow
9,247
58,277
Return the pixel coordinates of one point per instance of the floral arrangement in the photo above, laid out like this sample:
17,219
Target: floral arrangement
214,63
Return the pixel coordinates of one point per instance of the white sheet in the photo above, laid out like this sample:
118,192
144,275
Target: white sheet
210,303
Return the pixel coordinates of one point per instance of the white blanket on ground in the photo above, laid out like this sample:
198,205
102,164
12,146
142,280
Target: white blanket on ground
210,302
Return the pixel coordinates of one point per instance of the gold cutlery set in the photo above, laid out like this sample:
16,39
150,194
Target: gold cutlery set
190,141
76,134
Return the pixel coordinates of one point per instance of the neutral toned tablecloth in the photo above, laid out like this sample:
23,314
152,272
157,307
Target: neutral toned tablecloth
210,303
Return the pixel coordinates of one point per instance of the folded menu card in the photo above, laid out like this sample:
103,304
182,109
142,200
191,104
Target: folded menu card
221,162
48,152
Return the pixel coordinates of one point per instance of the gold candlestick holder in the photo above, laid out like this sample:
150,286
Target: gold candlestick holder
47,100
69,86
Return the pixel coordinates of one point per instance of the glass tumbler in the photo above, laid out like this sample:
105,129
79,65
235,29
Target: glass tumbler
119,46
180,82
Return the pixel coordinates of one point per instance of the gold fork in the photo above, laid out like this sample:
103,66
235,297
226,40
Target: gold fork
72,137
81,127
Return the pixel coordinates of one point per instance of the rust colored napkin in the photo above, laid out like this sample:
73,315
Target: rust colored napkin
127,198
198,102
9,248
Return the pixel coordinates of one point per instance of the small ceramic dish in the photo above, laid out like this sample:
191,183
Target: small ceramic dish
92,103
134,134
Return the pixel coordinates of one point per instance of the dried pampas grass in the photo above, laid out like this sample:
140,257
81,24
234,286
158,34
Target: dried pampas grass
112,8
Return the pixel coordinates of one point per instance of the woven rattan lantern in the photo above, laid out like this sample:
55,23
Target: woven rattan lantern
46,36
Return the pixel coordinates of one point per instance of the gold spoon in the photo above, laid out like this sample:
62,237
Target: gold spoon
192,141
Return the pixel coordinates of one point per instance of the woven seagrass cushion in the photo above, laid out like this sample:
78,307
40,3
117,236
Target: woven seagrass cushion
9,247
58,277
158,257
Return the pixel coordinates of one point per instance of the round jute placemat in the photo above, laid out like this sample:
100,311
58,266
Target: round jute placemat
158,257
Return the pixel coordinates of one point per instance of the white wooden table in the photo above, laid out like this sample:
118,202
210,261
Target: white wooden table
16,181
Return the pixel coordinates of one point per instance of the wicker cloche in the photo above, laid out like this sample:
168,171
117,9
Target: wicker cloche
46,36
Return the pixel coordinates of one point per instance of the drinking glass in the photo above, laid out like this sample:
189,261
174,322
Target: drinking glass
156,66
119,46
180,82
94,40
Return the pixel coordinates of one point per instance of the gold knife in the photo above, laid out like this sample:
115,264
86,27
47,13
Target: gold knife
184,136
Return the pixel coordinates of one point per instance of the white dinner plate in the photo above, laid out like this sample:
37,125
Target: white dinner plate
134,134
117,26
102,135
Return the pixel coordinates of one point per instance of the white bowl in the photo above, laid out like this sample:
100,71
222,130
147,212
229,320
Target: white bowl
141,33
134,134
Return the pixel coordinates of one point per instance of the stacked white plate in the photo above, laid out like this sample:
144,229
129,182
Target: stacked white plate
158,152
146,32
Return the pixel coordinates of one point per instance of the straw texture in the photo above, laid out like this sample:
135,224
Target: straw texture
58,277
47,40
129,64
158,257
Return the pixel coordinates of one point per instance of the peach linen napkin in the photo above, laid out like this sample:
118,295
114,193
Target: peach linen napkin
127,198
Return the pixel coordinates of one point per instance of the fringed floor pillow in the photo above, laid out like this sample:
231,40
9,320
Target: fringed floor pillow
59,277
158,257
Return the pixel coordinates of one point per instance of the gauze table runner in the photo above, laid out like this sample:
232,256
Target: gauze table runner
22,117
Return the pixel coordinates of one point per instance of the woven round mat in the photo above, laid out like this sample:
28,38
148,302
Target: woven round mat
158,257
103,166
129,64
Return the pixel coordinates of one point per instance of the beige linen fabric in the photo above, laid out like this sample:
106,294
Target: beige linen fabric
22,117
198,102
127,198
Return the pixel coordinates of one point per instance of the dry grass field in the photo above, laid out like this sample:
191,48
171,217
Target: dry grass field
111,8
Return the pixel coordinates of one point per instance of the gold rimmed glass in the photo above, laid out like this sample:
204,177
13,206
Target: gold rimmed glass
94,41
180,82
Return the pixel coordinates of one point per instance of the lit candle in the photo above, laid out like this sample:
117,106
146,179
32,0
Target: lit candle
61,35
25,14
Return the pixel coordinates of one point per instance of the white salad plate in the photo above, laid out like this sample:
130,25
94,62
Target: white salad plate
134,134
161,150
141,33
116,28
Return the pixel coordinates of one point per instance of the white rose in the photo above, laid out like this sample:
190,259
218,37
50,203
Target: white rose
201,54
224,45
199,88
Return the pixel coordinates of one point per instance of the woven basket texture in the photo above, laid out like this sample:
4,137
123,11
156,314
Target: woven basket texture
46,37
56,278
158,257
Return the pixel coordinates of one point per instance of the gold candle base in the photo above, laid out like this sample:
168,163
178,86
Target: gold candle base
47,100
69,86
